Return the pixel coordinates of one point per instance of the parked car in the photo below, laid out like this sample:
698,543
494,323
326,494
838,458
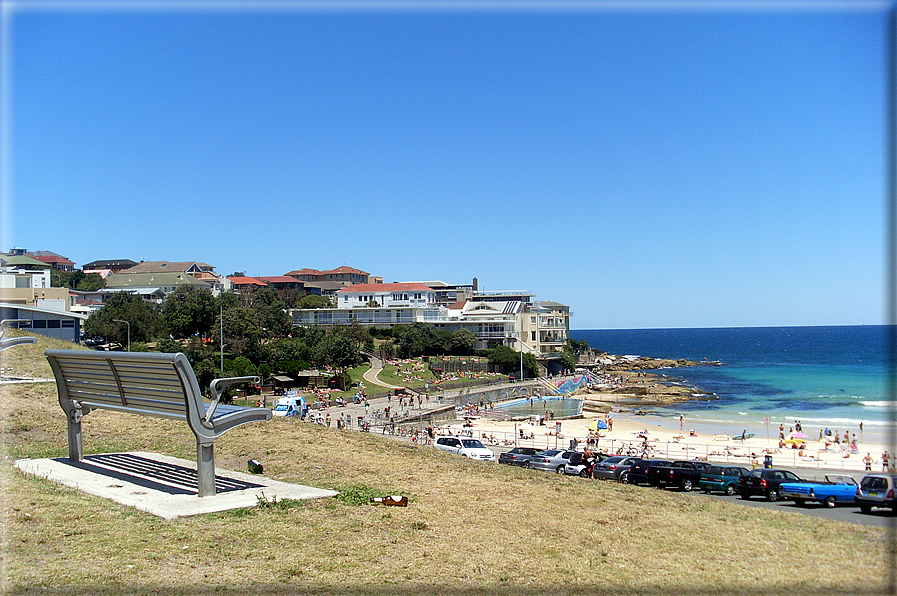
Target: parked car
615,468
877,490
576,465
721,478
465,446
551,460
518,456
682,474
765,482
638,471
835,489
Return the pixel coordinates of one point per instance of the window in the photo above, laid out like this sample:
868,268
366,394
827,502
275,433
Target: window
68,323
53,324
40,324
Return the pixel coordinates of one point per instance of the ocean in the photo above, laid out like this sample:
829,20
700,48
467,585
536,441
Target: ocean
832,377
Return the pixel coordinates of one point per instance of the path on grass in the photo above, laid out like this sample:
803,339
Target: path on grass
372,374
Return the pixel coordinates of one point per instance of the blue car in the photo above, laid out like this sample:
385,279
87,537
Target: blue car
834,490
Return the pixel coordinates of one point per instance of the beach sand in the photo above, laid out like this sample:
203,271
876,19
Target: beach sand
717,442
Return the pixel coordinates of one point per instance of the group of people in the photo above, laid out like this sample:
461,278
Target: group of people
886,463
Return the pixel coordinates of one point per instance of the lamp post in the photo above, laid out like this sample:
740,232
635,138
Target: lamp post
129,330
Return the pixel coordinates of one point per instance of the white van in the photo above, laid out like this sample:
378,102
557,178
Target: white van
465,446
290,406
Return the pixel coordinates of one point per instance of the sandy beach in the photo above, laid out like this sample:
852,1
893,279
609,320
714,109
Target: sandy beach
667,441
690,439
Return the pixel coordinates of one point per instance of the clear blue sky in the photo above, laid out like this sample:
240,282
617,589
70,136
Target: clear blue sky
675,165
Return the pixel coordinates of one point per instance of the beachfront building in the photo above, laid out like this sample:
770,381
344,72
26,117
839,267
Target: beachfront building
517,321
153,287
344,276
167,275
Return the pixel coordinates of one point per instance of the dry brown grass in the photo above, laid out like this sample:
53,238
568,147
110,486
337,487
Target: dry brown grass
470,528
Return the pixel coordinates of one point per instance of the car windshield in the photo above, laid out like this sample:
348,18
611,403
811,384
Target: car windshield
715,470
550,452
472,444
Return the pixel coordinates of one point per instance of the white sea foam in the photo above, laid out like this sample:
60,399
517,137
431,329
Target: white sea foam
879,404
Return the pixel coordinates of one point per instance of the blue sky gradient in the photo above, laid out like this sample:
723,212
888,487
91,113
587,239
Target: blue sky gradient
676,167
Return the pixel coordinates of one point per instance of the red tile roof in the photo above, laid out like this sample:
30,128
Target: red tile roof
242,281
278,279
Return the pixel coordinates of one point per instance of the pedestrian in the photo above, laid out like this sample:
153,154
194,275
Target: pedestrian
885,461
681,422
868,461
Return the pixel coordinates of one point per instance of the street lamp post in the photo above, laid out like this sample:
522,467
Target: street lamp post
129,330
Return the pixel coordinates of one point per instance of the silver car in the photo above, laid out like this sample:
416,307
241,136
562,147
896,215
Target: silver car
614,467
551,460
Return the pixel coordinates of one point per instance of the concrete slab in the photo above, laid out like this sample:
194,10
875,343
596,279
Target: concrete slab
162,485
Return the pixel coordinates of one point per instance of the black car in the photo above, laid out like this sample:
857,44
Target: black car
638,472
518,456
765,483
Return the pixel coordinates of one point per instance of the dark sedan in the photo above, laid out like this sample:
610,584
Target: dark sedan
765,483
638,472
518,456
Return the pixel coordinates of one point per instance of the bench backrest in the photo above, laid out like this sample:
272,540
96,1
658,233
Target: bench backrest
150,384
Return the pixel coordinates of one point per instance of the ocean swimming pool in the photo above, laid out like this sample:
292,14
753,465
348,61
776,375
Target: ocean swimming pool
563,407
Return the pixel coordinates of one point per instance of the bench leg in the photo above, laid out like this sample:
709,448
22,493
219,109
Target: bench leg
205,468
76,449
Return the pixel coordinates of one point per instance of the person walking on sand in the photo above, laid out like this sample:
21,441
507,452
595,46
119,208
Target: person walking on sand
681,422
868,461
885,461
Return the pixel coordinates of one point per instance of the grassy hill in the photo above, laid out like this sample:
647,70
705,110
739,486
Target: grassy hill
471,528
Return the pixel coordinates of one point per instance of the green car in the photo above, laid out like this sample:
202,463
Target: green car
721,479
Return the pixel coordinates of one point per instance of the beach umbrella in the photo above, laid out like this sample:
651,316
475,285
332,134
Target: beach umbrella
597,425
798,435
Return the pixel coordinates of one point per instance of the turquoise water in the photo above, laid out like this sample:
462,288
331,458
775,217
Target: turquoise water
822,376
562,407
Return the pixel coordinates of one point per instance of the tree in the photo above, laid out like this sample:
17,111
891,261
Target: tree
189,311
91,282
417,339
462,342
577,346
145,320
272,313
314,301
338,350
508,361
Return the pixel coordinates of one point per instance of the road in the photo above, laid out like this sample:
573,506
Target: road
882,518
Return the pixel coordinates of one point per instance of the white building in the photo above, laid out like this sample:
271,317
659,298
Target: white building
396,295
535,327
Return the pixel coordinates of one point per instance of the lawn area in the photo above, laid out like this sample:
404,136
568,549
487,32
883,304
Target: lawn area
470,529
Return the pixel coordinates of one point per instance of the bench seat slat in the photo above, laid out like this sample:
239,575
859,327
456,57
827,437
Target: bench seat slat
106,375
130,392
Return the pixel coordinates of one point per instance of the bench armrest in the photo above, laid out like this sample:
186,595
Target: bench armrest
217,387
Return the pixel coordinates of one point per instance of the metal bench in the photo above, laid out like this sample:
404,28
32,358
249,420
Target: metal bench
147,384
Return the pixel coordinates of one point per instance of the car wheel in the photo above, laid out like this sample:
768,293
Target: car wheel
624,477
560,469
526,465
686,485
800,502
584,474
830,501
772,495
866,508
730,490
745,496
